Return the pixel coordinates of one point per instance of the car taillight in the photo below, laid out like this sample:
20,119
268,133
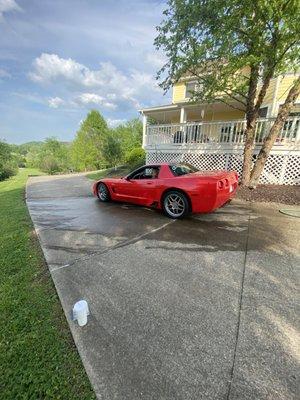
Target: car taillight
236,176
220,184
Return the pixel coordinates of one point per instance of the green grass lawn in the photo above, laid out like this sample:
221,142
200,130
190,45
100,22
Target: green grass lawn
110,172
38,358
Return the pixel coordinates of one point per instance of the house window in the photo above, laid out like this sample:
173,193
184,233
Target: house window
191,88
263,112
290,126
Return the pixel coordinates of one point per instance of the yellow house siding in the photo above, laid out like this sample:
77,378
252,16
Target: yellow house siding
285,84
276,93
178,92
270,93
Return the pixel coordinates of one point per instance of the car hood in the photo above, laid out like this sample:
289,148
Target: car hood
114,179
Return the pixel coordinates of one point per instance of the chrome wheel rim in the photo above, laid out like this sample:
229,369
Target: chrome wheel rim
174,204
102,191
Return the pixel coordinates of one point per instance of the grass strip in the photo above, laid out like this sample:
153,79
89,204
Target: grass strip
38,358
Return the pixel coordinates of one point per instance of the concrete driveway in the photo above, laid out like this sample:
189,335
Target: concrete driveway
201,308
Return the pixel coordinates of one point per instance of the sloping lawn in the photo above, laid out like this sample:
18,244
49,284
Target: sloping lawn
38,359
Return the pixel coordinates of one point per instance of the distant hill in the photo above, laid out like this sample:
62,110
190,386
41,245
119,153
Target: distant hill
24,148
27,147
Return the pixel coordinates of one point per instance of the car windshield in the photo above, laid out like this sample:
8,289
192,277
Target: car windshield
182,169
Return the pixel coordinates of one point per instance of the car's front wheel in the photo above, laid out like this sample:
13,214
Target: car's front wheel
175,204
103,192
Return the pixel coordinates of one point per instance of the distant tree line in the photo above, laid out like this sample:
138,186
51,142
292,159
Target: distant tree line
96,146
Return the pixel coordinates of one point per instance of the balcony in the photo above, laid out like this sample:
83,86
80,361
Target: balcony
219,135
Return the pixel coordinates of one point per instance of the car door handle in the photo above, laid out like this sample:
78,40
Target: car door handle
150,183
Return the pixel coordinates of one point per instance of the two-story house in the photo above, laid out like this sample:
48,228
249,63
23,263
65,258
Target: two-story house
211,136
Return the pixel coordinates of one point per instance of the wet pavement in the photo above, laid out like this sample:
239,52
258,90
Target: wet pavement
200,308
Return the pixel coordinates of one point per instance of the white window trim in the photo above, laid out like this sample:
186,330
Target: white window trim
185,88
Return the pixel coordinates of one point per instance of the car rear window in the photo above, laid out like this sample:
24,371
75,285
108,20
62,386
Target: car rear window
182,169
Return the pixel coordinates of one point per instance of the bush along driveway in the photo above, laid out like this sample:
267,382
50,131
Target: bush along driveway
38,359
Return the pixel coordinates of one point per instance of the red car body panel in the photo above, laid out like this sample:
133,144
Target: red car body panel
206,190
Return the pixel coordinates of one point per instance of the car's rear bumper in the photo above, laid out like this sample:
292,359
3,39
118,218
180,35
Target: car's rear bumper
216,198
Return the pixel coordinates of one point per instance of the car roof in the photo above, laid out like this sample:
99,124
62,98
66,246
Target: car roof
165,164
158,164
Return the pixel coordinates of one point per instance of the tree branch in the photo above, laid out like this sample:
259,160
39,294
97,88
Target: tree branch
263,90
274,131
201,79
235,98
230,105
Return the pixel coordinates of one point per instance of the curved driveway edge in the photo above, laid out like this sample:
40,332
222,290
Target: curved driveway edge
201,308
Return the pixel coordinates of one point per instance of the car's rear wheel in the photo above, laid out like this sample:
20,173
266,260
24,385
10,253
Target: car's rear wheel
103,192
175,204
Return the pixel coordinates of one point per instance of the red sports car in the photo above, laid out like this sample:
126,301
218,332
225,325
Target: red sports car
175,188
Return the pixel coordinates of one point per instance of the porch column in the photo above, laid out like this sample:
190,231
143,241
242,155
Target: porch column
183,137
182,115
145,119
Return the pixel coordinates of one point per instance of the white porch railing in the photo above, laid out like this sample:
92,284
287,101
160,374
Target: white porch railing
219,132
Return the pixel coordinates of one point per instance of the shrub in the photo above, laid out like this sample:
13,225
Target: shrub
7,171
136,157
8,163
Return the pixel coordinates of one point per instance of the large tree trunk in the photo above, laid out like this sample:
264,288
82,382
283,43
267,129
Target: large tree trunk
252,114
248,151
251,118
274,131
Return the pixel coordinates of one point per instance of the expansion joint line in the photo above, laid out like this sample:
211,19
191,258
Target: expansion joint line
239,312
114,247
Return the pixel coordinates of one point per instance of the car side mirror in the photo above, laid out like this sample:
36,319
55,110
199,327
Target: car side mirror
127,178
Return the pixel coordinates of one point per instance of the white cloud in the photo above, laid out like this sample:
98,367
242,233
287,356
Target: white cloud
4,74
8,6
55,102
155,59
115,122
111,87
93,98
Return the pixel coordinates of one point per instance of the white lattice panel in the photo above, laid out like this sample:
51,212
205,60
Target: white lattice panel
235,162
272,170
206,161
164,157
291,175
279,169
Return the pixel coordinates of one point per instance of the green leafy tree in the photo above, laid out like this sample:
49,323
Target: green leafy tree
130,135
233,48
54,156
8,163
112,149
87,148
27,147
120,141
136,157
51,157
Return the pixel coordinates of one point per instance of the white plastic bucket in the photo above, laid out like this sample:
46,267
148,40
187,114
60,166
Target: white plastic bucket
80,312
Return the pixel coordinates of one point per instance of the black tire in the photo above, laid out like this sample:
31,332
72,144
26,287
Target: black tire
103,192
175,204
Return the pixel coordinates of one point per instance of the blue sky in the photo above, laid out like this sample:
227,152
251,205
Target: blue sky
61,58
